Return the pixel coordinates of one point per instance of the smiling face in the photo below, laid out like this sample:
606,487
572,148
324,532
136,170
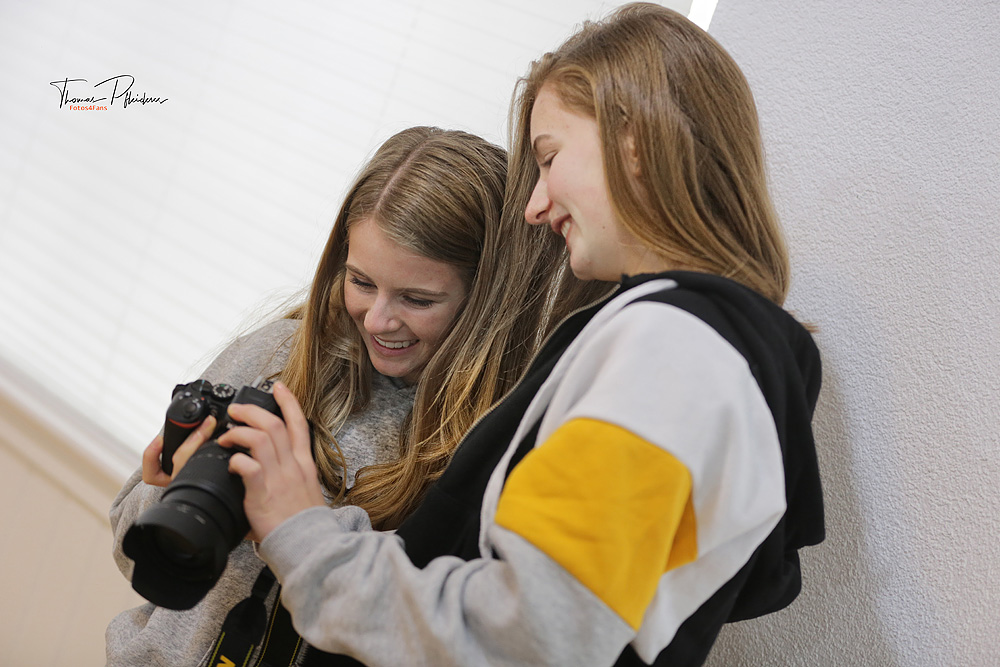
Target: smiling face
403,304
571,195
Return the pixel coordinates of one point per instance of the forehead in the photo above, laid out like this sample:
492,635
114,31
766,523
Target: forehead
546,111
553,121
393,266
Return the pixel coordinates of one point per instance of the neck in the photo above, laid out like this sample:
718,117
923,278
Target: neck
644,260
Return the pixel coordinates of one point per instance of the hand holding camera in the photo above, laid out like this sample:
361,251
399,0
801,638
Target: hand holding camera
152,468
181,544
278,468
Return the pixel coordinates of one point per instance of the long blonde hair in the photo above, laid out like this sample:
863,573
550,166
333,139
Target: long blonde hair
439,193
668,98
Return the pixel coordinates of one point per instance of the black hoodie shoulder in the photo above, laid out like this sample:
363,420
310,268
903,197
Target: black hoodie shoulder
786,364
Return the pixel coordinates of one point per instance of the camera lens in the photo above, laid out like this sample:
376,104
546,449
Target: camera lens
177,548
180,545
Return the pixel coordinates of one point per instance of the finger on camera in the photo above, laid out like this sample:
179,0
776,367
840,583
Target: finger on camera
192,444
152,470
270,432
259,443
251,472
255,415
244,466
199,436
295,419
290,408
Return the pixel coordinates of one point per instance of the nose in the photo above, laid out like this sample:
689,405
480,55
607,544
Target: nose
537,210
381,317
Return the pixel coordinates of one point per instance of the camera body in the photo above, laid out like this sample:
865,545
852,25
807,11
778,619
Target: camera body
180,545
191,405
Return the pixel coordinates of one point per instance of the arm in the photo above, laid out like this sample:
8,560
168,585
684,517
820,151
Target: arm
355,591
133,499
262,351
658,459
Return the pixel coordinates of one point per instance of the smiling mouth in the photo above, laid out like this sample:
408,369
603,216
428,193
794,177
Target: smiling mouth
562,226
393,345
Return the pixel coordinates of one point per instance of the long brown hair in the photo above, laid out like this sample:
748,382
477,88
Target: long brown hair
668,98
439,193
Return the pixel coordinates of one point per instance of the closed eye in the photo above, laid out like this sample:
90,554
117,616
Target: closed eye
360,283
419,303
411,300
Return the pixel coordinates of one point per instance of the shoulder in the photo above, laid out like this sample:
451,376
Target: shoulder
658,340
667,376
263,351
271,336
653,310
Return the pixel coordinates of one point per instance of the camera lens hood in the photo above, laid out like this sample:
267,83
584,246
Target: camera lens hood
179,554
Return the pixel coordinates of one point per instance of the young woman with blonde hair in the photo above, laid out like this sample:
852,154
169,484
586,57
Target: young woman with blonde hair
653,474
423,312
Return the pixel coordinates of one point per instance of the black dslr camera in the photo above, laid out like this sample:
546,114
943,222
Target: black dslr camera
181,544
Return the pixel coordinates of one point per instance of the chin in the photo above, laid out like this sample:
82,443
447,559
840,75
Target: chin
584,272
580,272
390,372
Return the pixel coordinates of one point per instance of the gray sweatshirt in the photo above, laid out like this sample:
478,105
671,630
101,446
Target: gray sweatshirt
150,636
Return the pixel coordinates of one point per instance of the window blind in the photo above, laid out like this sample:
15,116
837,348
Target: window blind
142,231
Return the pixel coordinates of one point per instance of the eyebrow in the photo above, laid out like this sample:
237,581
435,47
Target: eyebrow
409,290
534,144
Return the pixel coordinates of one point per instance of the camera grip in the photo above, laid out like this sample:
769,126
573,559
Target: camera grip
186,412
174,435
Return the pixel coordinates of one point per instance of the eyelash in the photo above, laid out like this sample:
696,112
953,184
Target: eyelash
354,280
418,303
413,301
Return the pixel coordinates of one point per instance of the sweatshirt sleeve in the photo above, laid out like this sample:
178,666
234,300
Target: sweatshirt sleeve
354,591
261,352
657,475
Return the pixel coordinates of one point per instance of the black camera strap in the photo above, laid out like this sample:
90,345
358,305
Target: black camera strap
248,624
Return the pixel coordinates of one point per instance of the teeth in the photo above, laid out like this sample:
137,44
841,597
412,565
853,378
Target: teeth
565,228
393,345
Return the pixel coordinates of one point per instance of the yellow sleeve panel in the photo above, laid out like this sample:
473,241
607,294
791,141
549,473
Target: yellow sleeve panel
611,508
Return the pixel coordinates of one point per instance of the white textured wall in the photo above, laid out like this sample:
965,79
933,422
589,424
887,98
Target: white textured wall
882,128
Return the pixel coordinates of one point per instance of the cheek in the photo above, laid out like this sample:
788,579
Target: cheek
354,304
434,327
566,180
554,186
423,326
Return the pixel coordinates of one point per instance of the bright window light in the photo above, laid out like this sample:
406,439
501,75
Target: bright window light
137,239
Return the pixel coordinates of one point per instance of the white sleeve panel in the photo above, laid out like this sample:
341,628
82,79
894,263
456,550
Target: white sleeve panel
668,377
